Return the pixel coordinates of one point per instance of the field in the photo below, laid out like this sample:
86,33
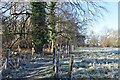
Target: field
87,65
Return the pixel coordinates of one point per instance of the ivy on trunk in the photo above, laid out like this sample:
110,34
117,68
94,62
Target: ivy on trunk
40,31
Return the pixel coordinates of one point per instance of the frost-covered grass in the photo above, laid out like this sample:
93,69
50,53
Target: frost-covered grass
95,65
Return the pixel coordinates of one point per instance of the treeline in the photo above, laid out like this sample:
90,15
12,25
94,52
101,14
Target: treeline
46,25
109,38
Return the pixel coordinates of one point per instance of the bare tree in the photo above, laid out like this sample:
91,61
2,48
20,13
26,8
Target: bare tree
109,38
93,39
71,18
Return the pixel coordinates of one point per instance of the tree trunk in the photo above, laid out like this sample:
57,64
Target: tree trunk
39,49
52,46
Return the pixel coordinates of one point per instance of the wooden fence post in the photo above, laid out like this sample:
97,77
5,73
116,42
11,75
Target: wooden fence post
54,62
19,49
56,57
33,50
67,49
0,74
8,57
70,68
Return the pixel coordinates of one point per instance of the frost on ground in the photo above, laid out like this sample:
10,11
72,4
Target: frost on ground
88,65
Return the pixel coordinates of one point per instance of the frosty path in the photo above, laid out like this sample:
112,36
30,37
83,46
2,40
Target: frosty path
36,68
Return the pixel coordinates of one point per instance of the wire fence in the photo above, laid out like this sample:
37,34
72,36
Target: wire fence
64,65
